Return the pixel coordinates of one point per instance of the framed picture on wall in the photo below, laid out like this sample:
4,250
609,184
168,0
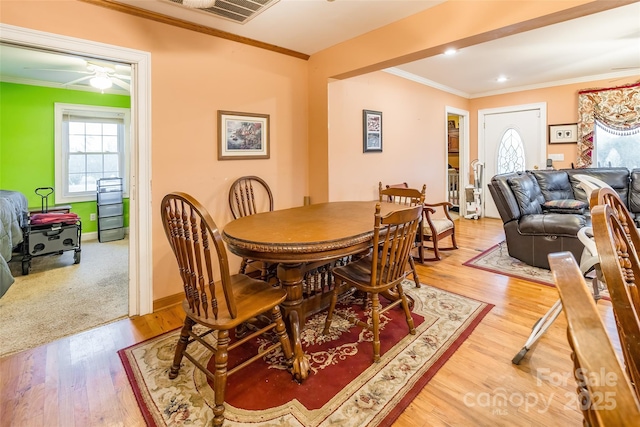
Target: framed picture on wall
563,134
372,130
242,135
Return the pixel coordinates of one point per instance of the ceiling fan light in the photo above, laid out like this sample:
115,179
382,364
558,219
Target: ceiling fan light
101,82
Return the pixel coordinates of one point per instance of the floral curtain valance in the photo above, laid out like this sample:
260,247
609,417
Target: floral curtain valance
617,108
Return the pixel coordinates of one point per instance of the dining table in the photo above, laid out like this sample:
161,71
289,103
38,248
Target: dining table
301,240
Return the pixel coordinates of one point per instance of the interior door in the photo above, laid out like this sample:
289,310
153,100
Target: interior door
513,140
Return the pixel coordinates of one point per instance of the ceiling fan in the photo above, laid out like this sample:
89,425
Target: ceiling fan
100,76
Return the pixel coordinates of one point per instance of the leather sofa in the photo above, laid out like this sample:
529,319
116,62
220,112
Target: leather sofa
542,210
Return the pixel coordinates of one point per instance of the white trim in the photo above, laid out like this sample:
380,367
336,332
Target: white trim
542,106
410,76
62,195
140,244
463,153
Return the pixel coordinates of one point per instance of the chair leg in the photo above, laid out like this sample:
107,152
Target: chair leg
181,347
332,306
281,331
453,240
375,326
412,264
436,253
407,312
220,377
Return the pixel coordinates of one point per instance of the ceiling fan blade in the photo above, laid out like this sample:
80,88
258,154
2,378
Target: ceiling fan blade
123,85
78,80
121,76
57,69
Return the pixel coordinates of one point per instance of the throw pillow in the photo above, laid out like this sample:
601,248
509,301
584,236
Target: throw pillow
565,206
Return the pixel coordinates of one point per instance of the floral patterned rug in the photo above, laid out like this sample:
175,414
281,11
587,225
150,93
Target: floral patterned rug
344,388
496,259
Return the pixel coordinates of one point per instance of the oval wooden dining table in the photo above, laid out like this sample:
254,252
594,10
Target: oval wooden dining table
299,239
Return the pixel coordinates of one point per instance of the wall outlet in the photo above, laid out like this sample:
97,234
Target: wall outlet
92,217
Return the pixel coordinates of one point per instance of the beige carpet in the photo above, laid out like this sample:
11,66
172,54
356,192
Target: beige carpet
59,298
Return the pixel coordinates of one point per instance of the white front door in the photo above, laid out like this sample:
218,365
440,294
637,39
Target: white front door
511,139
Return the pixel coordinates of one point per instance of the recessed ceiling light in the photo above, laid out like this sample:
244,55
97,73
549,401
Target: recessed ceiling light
450,51
502,79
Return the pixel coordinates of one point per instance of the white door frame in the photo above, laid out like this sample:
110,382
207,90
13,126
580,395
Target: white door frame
542,106
463,153
140,265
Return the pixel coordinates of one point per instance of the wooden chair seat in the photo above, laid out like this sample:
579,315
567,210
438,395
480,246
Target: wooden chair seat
214,298
251,295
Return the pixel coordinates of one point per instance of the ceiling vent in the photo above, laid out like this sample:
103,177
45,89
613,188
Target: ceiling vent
240,11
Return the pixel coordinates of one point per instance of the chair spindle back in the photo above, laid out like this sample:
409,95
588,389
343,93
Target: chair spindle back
248,195
621,269
394,235
193,236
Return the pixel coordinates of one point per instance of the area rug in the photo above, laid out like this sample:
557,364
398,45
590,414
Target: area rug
344,387
496,259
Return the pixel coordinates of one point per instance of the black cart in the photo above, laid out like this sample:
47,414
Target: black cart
50,231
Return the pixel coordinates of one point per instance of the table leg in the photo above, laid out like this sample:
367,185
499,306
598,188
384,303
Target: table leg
291,276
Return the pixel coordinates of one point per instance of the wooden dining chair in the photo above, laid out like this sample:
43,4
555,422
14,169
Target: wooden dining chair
618,245
605,393
382,270
215,299
249,195
402,195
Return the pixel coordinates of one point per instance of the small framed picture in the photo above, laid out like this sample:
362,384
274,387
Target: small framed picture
242,135
563,134
372,131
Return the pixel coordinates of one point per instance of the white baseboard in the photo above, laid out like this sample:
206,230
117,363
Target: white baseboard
93,235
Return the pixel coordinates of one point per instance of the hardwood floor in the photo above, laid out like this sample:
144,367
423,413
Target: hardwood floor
79,380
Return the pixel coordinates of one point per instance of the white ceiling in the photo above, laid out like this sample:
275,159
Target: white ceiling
600,46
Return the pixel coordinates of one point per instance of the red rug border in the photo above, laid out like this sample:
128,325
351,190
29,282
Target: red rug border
431,372
146,413
490,270
540,282
391,417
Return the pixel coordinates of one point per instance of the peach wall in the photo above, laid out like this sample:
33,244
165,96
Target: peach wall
414,140
562,108
193,76
418,36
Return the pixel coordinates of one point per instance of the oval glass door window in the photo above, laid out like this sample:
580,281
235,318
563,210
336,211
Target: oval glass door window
510,152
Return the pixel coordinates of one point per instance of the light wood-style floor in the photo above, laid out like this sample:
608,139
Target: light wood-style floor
79,380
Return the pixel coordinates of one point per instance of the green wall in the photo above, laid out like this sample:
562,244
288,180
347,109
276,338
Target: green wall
27,140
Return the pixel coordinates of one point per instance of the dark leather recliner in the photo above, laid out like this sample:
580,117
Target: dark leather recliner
543,210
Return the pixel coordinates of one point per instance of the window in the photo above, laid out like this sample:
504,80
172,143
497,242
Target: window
91,143
510,152
616,148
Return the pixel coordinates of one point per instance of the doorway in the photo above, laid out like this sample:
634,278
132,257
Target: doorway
510,139
457,158
140,265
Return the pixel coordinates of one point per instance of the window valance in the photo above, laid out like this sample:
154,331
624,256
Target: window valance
617,108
